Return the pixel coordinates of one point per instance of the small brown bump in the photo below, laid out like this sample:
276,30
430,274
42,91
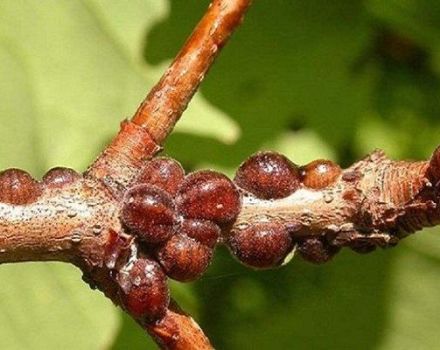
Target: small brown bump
351,175
18,187
165,173
58,177
320,174
144,290
268,175
183,258
150,213
261,245
316,250
205,232
208,195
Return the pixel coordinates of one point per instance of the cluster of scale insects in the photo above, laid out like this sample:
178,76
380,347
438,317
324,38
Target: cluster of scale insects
177,220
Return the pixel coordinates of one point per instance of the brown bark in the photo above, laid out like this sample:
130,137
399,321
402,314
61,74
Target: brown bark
75,225
140,139
166,102
376,202
178,330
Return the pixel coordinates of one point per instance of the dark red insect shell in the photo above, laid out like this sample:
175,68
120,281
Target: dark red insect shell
208,195
261,245
316,250
150,213
117,249
320,174
183,258
268,175
205,232
165,173
144,290
18,187
58,177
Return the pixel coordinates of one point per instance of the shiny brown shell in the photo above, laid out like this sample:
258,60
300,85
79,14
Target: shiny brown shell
18,187
163,172
183,258
320,174
59,176
261,245
150,213
144,290
208,195
268,175
205,232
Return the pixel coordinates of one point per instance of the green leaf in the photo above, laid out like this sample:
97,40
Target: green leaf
47,306
413,317
302,146
419,19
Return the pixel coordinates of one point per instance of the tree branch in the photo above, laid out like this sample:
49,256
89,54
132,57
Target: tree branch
139,139
67,223
375,202
166,102
177,330
127,222
79,222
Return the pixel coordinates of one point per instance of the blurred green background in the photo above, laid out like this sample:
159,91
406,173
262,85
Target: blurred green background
311,79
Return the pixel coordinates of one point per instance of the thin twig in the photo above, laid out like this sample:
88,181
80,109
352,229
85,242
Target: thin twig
178,331
141,138
166,102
